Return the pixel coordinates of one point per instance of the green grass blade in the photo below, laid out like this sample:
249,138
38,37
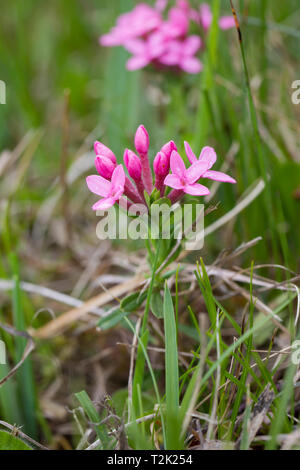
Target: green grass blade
171,373
94,417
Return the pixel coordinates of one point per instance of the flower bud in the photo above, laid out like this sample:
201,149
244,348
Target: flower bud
104,166
161,164
104,151
133,165
141,140
168,148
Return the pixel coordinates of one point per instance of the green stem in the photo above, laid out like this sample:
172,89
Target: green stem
140,357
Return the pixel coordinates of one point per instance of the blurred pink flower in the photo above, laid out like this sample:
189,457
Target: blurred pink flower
226,22
152,39
140,21
111,191
208,156
181,54
177,24
185,179
145,50
160,5
205,17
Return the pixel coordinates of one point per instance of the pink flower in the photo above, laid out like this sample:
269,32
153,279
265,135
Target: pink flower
141,142
160,5
104,166
185,179
208,156
168,148
181,54
205,18
133,165
111,191
161,164
177,24
145,51
140,21
101,149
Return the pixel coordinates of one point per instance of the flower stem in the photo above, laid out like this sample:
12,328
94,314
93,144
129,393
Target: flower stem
175,195
159,184
131,192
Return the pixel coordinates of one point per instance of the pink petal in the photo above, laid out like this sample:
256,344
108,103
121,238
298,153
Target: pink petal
196,171
169,59
177,164
192,44
137,62
206,15
172,54
196,189
118,192
173,181
104,204
102,150
189,152
209,155
160,5
191,64
114,38
156,45
135,46
218,176
177,24
98,185
226,22
118,178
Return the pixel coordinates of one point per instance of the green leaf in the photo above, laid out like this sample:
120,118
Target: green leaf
172,374
93,416
163,200
127,306
10,442
156,304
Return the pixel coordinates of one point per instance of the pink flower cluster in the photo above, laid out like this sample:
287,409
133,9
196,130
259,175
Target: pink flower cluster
111,183
163,42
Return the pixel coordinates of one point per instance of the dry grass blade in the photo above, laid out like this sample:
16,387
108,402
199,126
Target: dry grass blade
47,293
67,319
259,305
28,349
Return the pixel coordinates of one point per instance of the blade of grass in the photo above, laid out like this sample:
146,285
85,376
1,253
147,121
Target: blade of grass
94,417
25,378
171,374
